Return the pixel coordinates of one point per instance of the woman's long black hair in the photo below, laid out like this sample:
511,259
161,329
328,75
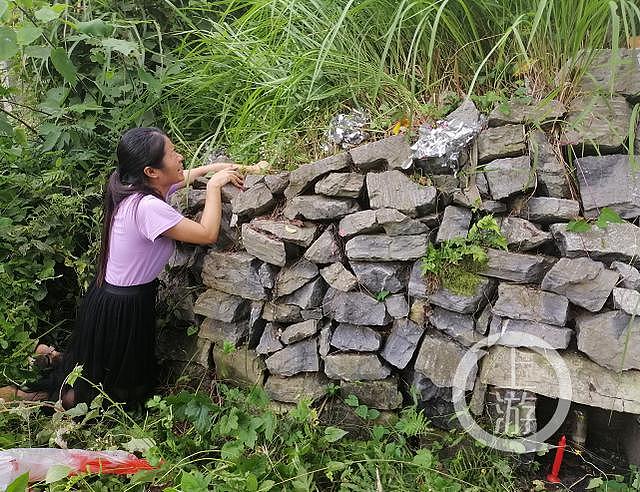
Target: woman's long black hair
137,149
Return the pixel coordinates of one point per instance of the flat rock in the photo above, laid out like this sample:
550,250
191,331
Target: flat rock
438,359
267,275
358,223
586,283
620,74
597,122
395,223
304,176
523,235
630,276
608,181
317,207
293,359
455,223
354,367
611,339
393,189
520,302
338,277
386,248
516,267
301,235
325,249
312,313
219,331
524,112
270,339
309,385
345,185
591,384
460,327
627,300
618,242
324,340
262,246
308,296
552,176
397,306
420,309
382,394
509,176
242,367
294,276
281,313
254,201
499,142
354,308
402,342
546,210
525,333
356,337
221,306
234,273
376,277
299,331
277,183
390,153
188,201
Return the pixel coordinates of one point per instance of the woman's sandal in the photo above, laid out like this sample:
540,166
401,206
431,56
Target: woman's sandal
9,393
13,393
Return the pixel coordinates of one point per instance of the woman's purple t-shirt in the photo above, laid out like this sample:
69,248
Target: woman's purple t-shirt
137,250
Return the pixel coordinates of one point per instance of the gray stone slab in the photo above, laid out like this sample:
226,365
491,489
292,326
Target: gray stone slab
397,306
386,248
312,313
620,73
547,210
221,306
611,339
500,142
338,277
281,313
455,223
518,111
509,176
219,331
305,176
420,308
264,247
525,333
354,308
234,273
402,342
188,201
627,300
523,235
317,207
309,385
270,339
308,296
358,223
618,242
393,189
242,367
629,276
395,223
609,181
389,153
516,267
277,183
294,276
267,275
460,327
325,249
439,358
382,394
301,235
355,337
552,176
521,302
376,277
586,283
254,201
355,367
293,359
324,340
299,331
345,185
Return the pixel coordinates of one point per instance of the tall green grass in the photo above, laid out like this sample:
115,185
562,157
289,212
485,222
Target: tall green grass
254,73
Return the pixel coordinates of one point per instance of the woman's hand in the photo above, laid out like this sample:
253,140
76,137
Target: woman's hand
221,178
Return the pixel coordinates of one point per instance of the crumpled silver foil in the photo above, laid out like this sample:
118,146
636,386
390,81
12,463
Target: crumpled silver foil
346,130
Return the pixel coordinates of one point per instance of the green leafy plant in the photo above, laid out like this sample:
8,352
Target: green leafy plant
382,295
605,217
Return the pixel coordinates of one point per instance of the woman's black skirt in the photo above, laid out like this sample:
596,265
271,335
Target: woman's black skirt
114,341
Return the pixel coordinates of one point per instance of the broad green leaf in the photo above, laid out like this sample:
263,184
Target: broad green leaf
594,483
47,14
608,216
362,411
20,484
120,45
423,458
578,225
8,43
6,128
57,472
251,485
333,434
27,34
38,52
79,410
94,27
352,401
4,5
266,486
194,482
63,65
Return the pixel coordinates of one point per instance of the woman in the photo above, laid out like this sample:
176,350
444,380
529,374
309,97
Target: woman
114,337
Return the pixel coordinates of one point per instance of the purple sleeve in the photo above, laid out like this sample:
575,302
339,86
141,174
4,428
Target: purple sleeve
155,216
